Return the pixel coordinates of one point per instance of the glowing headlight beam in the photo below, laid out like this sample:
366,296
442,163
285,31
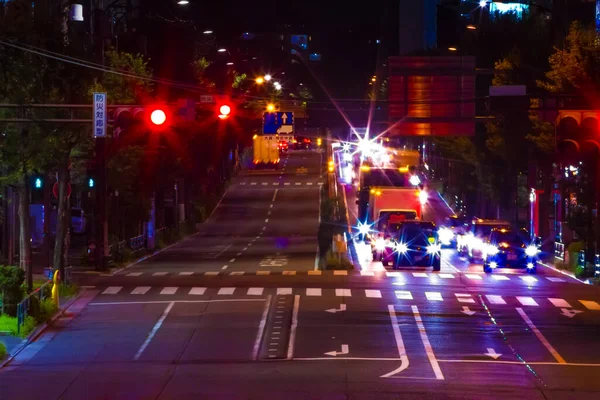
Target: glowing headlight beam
532,251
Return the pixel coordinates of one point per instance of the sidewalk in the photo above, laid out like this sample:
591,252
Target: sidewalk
11,343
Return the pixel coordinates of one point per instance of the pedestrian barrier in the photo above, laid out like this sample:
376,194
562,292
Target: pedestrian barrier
24,307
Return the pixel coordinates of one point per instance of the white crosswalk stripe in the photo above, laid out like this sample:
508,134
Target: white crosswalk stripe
286,184
590,305
343,293
367,273
446,276
555,279
282,291
473,276
500,277
255,291
288,273
393,274
140,290
186,273
527,301
252,183
464,298
197,291
313,292
560,303
112,290
212,273
495,299
434,296
226,291
340,272
376,294
298,183
528,278
159,274
134,273
169,290
420,274
403,295
237,273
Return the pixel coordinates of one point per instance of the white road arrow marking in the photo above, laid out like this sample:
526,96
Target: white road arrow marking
334,310
466,310
492,353
344,351
284,118
570,313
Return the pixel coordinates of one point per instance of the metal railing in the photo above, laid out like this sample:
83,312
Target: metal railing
24,306
138,242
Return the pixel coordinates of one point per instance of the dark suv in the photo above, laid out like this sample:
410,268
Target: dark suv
509,248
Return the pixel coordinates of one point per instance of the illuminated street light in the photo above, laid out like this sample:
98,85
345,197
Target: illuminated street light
452,48
373,79
260,80
471,27
270,107
229,63
267,77
483,3
222,50
277,85
183,2
209,32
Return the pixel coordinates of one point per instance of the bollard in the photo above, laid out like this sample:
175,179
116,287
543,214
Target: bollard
55,281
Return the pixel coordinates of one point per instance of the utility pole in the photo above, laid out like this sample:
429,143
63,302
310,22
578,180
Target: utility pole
102,251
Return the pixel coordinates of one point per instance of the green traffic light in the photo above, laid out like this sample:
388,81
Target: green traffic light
38,183
91,182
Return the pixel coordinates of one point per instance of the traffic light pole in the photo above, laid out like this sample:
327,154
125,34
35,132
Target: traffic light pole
102,251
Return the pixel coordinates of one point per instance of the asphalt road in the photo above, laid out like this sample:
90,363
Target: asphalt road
179,326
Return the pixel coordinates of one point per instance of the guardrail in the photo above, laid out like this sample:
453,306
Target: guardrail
138,242
24,306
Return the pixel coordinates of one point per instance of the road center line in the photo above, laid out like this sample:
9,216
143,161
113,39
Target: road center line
261,327
290,352
426,344
399,343
274,196
541,337
154,330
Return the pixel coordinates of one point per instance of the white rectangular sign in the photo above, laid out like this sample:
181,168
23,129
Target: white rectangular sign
99,115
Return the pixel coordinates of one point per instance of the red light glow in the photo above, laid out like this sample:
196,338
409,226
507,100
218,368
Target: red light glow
158,117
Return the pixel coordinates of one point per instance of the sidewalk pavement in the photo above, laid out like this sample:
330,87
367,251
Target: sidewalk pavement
11,343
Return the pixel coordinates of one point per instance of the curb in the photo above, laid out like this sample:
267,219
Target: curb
570,275
37,332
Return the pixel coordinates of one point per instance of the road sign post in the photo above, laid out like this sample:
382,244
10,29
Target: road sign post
278,122
99,129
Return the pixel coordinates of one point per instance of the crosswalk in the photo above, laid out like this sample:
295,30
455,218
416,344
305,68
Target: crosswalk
278,184
428,296
527,279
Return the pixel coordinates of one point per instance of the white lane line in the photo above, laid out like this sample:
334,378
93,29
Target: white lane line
367,273
290,352
186,273
261,328
169,290
376,294
495,299
266,220
271,206
428,349
274,196
403,295
239,254
560,303
434,296
391,274
309,183
283,291
298,183
288,273
527,301
343,292
153,331
286,184
446,276
159,274
464,298
211,273
590,305
541,337
112,290
313,292
528,278
232,260
253,183
134,273
255,291
224,266
399,344
276,183
264,183
473,276
340,272
500,277
140,290
555,279
242,183
245,248
263,272
197,291
420,274
236,273
226,291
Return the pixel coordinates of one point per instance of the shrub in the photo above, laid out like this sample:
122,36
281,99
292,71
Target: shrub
47,309
67,291
3,351
11,279
9,324
333,261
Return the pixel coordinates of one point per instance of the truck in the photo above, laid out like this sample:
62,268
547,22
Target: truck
266,150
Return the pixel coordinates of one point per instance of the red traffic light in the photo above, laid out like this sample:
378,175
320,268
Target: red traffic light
158,117
224,111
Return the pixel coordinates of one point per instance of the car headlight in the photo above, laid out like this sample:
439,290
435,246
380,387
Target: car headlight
531,251
491,250
380,244
445,235
433,248
401,248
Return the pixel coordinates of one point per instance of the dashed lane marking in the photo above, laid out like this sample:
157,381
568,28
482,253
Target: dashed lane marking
232,260
315,272
473,276
500,277
555,279
560,303
391,274
434,296
288,273
313,292
211,273
169,290
226,291
253,183
464,298
263,272
527,301
140,290
197,291
186,273
373,293
236,273
446,276
112,290
224,266
367,273
284,291
343,293
298,183
403,295
264,183
495,299
528,278
159,274
134,273
420,274
255,291
340,272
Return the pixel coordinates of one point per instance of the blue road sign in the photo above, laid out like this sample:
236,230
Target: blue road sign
273,121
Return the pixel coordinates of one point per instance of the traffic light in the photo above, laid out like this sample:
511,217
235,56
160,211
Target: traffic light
158,117
37,182
224,111
91,182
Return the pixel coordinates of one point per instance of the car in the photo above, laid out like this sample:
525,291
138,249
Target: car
302,143
508,248
473,242
388,227
415,244
283,146
453,227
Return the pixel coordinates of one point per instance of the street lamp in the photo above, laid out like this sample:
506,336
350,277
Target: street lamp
229,63
483,3
270,107
277,85
267,77
452,48
183,2
209,32
222,50
471,27
260,80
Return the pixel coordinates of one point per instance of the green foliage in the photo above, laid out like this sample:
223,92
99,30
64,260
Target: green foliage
577,66
11,279
3,351
67,291
124,89
238,81
47,309
335,262
9,324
